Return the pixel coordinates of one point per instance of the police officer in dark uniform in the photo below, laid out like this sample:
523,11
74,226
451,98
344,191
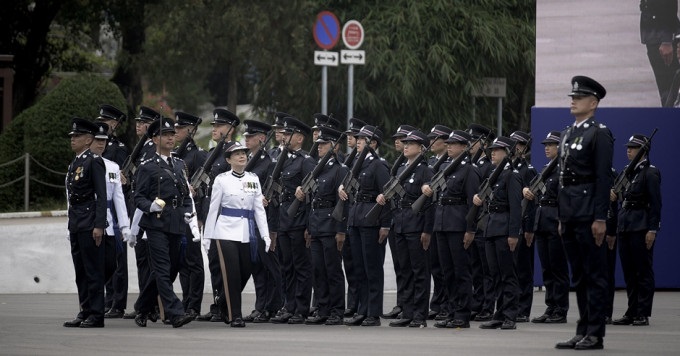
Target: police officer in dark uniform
658,24
638,223
503,228
483,283
266,270
191,273
291,230
368,237
583,201
327,235
413,233
454,235
224,123
86,193
439,301
162,194
115,150
548,242
524,258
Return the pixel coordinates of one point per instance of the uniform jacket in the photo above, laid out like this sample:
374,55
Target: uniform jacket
546,216
585,156
403,218
507,194
374,174
460,184
263,168
644,195
527,172
295,168
233,192
114,198
658,21
155,178
115,151
194,157
323,200
86,193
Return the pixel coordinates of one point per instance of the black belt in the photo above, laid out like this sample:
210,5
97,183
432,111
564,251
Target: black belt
171,202
548,203
366,198
405,203
452,201
576,180
634,205
80,200
322,204
498,208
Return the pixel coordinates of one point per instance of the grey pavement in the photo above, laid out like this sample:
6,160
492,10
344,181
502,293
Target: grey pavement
31,324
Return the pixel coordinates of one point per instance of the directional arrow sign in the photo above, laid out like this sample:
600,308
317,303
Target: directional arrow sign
352,57
326,58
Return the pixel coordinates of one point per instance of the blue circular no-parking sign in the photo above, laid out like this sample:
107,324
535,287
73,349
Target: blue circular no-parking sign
326,30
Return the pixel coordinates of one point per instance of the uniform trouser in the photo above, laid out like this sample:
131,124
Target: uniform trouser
369,256
555,271
117,273
638,273
401,282
163,249
662,73
142,260
267,280
348,262
415,269
589,276
524,263
298,270
192,275
329,281
455,261
439,301
483,282
501,263
611,280
238,267
88,263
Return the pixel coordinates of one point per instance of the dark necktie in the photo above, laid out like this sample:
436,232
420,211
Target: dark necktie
170,162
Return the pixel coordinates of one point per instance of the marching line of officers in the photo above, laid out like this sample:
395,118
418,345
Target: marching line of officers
304,223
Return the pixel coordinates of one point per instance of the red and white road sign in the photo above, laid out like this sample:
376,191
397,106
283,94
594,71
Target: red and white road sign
353,34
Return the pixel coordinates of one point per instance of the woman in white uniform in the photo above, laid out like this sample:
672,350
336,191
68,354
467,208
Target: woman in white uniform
235,209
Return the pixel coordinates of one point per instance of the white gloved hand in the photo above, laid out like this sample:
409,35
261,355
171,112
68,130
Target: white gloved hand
267,243
206,244
189,217
130,238
196,233
155,207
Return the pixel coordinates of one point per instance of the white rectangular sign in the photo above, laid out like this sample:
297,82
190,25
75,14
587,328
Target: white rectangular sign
492,88
326,58
352,57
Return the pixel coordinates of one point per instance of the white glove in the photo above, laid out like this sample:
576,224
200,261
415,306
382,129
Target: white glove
155,207
189,217
196,233
267,243
206,244
130,238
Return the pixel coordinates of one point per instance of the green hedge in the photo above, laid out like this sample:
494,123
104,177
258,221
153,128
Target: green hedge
42,129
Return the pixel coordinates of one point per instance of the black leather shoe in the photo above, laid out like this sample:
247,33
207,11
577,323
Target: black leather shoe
296,319
371,321
442,324
356,320
625,320
315,320
589,343
400,323
458,323
491,324
393,314
91,323
140,320
130,315
569,344
263,317
205,317
349,313
540,319
73,323
114,314
192,313
334,320
238,323
484,316
556,319
415,323
508,325
522,319
641,321
251,317
281,318
180,321
442,316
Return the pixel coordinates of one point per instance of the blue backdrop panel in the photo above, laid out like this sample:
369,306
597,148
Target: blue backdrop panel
624,122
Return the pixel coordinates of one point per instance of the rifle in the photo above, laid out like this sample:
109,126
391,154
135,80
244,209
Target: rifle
201,178
438,182
314,148
515,161
397,163
351,156
482,147
393,186
350,183
622,182
538,183
183,147
130,165
272,185
309,182
486,188
440,161
256,158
